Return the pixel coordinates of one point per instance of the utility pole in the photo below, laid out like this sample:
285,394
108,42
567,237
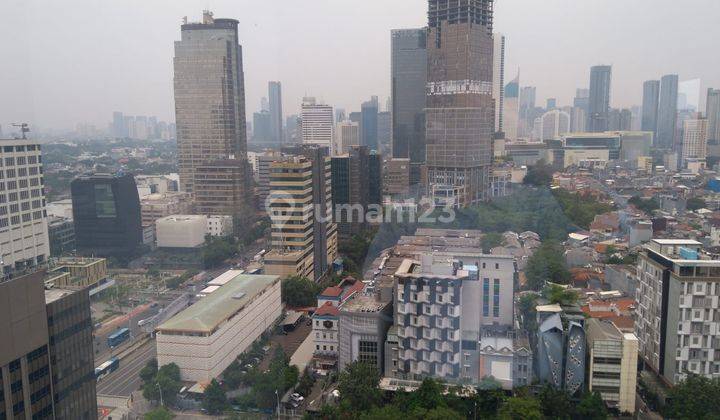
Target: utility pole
278,403
161,398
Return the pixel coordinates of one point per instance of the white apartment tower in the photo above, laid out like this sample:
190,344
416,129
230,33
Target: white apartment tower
499,79
695,137
317,123
347,134
23,222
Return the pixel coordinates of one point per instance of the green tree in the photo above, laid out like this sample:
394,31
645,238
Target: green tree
697,397
167,380
539,175
555,403
429,395
217,250
299,291
591,407
557,294
305,385
490,241
160,413
646,205
527,304
547,264
358,386
290,376
148,372
521,408
695,203
214,398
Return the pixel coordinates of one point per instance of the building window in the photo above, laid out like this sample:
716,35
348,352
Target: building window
367,352
486,297
496,298
497,266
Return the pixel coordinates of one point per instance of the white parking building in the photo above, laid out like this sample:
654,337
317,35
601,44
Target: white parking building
206,337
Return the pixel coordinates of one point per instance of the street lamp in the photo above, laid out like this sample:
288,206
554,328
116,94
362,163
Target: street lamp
278,403
161,398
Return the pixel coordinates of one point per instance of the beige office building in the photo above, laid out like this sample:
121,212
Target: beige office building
206,337
695,137
613,360
291,212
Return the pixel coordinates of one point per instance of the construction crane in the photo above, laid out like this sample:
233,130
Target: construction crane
23,129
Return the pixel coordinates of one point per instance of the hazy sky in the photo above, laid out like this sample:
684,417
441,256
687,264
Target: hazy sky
70,61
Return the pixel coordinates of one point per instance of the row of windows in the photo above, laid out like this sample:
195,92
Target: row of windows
317,347
22,195
29,148
22,160
15,220
20,172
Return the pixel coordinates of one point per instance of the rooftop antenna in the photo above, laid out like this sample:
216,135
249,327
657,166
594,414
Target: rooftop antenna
23,129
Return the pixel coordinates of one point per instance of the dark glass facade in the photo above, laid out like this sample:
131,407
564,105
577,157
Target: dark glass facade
599,102
651,98
71,353
409,76
350,186
369,124
460,113
106,212
667,112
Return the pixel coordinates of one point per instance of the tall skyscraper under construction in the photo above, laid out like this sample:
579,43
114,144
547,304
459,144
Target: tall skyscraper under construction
460,114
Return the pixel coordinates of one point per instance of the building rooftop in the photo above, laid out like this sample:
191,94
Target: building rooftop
363,302
208,313
182,218
598,329
56,293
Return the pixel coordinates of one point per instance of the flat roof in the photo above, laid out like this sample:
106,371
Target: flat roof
225,277
209,312
55,293
677,242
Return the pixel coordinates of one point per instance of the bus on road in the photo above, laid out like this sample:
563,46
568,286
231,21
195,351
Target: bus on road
106,368
118,337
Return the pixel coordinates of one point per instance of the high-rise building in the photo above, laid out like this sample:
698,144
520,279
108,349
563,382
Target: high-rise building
350,188
292,132
369,124
118,125
712,113
550,104
694,141
384,132
47,362
375,177
396,176
599,100
304,236
651,100
460,109
499,79
262,127
276,113
409,76
511,113
23,223
291,212
667,112
347,134
527,110
222,189
317,123
554,124
620,120
107,215
209,95
677,299
340,115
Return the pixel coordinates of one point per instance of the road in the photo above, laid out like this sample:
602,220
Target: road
101,349
127,378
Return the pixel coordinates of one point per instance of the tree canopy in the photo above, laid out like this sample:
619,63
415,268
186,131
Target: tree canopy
547,264
167,381
646,205
697,397
299,291
214,398
539,175
358,386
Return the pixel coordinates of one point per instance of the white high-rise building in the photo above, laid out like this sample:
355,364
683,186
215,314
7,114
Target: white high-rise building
23,223
554,124
499,79
317,123
694,139
347,134
511,109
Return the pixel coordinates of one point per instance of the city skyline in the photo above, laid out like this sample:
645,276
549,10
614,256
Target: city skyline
45,76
